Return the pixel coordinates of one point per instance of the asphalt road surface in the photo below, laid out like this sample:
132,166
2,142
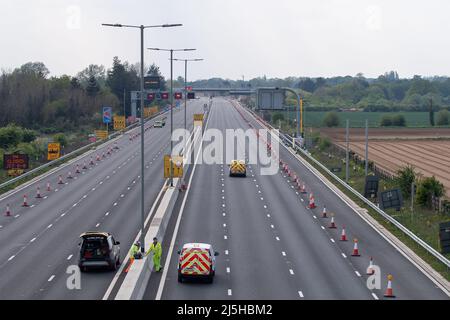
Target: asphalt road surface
271,245
39,242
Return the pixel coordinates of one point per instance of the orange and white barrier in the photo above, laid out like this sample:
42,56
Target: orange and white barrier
389,291
343,234
355,252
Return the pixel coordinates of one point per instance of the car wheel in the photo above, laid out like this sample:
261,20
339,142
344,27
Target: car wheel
180,278
114,266
210,279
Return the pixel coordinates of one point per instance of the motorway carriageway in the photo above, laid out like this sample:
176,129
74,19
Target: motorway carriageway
39,242
271,245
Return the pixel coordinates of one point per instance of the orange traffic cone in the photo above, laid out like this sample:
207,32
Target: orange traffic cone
92,161
370,269
312,204
38,193
48,186
332,224
343,234
355,248
103,155
69,175
8,211
294,178
77,170
25,203
109,151
303,189
389,292
84,165
60,180
98,157
129,265
324,212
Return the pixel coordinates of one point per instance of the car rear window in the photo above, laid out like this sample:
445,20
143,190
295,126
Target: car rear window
96,247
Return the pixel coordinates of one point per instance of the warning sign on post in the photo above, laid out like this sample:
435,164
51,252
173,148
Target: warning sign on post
177,166
119,122
198,119
101,134
53,151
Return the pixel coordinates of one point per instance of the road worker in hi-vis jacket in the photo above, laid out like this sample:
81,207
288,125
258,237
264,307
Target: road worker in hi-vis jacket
157,252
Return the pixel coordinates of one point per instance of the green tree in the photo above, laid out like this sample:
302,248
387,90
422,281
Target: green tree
277,116
405,177
331,119
386,121
61,138
398,120
92,88
427,188
443,117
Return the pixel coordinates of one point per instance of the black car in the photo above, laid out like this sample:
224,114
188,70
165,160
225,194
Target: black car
98,249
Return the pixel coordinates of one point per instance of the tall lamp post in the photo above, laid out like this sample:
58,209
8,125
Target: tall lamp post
171,96
185,85
142,28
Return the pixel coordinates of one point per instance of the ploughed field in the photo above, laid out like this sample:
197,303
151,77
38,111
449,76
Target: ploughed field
428,150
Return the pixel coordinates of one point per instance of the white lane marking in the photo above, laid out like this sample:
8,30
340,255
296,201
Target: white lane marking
283,253
265,207
107,214
101,182
343,254
85,196
224,214
51,278
225,237
278,239
115,204
224,225
226,252
74,205
93,189
301,200
223,205
229,292
300,294
262,198
272,226
97,225
374,296
228,270
17,215
70,257
49,226
323,228
332,240
291,271
10,258
314,217
63,214
122,195
357,273
32,240
268,215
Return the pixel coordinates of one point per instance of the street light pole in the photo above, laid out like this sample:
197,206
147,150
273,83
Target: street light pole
142,28
171,100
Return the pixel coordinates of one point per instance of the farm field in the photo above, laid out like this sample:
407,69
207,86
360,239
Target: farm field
428,150
358,119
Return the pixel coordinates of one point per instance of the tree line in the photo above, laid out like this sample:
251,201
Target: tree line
32,99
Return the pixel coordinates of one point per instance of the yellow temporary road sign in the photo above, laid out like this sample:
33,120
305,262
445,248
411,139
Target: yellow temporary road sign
198,119
119,122
177,162
15,172
54,151
101,134
177,166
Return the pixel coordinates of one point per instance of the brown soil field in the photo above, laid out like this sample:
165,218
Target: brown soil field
428,150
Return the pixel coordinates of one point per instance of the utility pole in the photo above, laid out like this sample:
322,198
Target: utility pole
367,148
346,150
124,111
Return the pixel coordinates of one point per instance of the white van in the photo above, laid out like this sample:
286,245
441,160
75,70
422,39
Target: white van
197,261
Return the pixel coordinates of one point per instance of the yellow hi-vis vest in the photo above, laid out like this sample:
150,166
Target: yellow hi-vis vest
157,250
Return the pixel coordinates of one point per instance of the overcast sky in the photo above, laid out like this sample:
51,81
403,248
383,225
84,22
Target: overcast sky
236,38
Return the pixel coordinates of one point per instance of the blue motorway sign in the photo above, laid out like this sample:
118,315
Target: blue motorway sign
107,114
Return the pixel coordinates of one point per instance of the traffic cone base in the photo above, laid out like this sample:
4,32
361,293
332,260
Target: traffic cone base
24,204
8,211
343,235
355,252
389,293
332,225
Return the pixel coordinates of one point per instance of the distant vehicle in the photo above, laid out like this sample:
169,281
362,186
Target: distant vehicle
238,168
197,261
98,249
159,123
